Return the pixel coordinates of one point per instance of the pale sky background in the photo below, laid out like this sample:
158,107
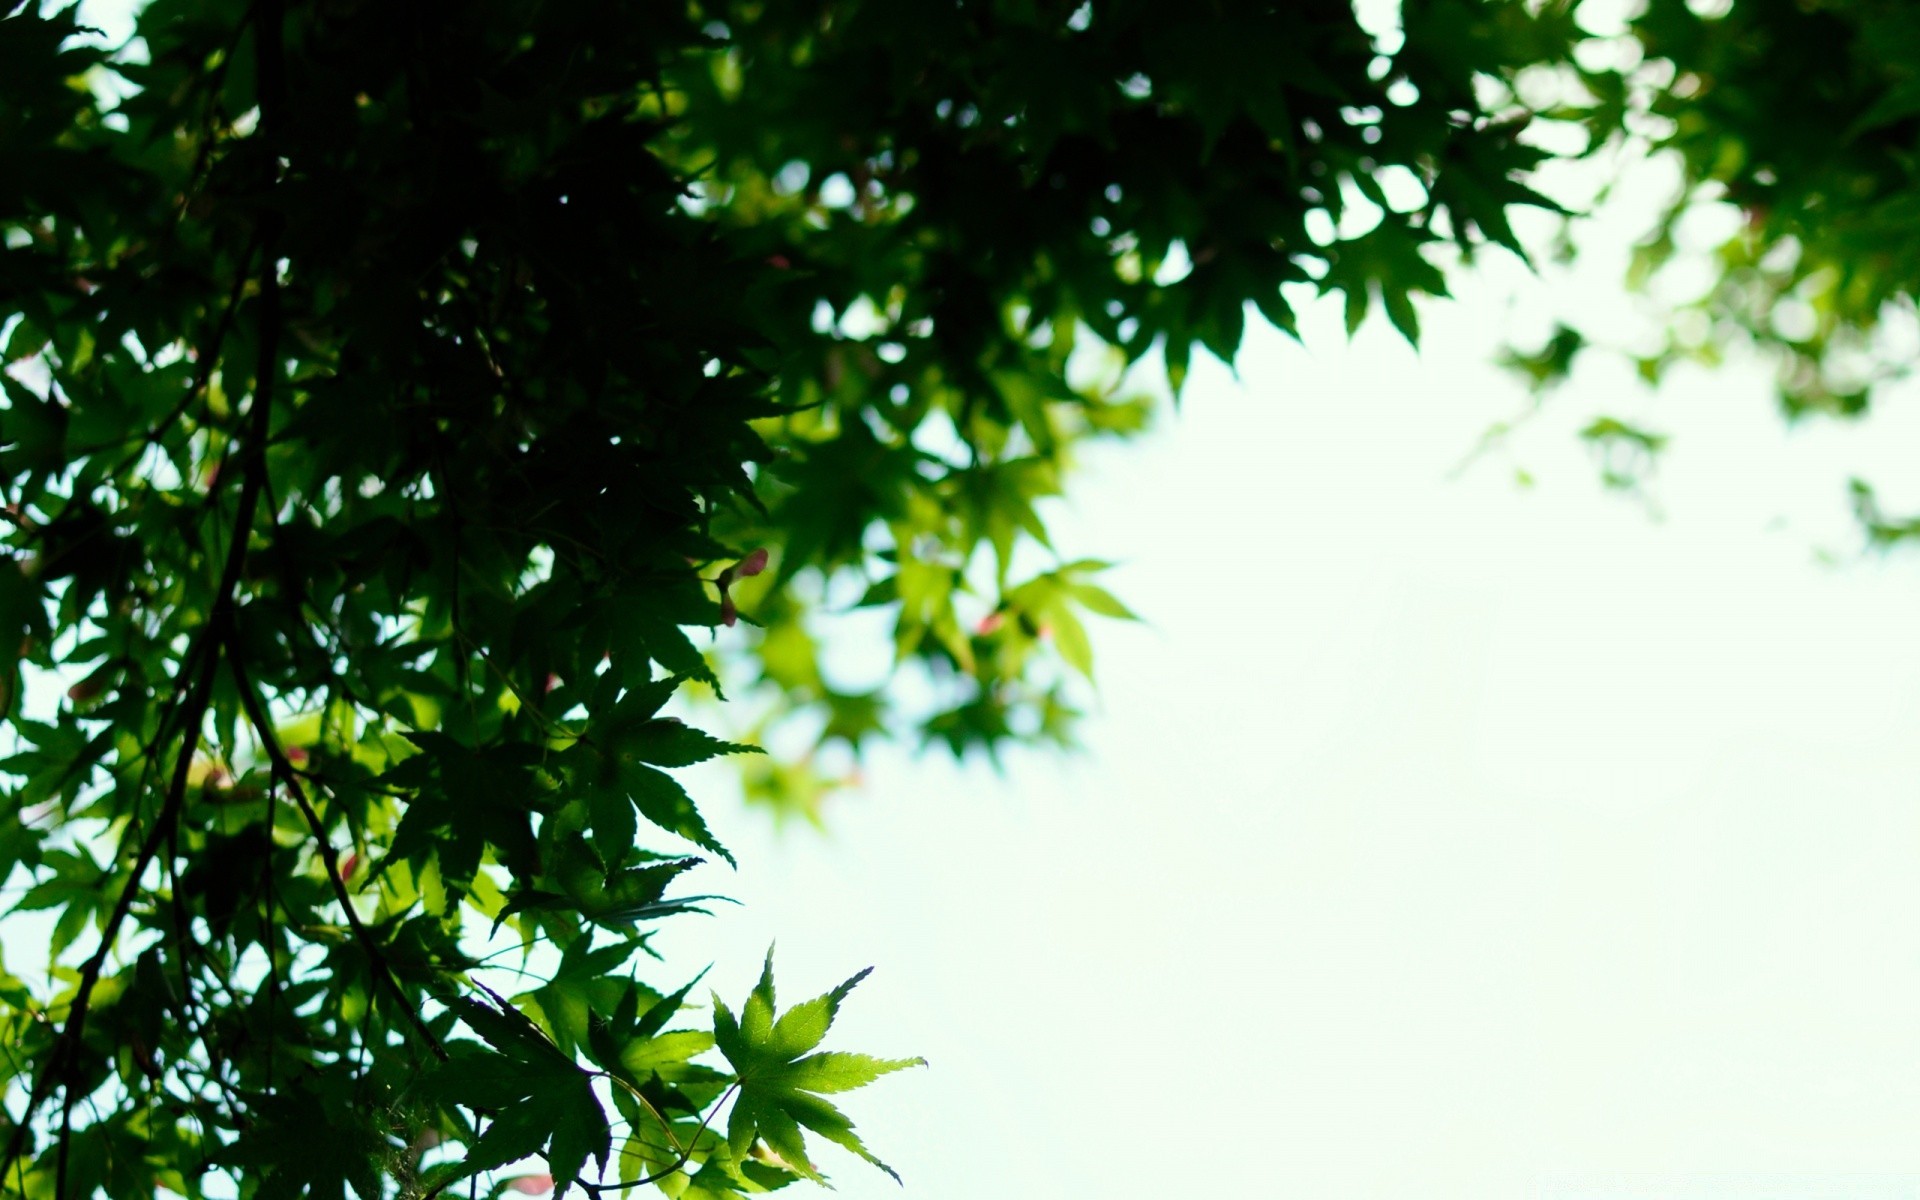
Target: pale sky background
1435,837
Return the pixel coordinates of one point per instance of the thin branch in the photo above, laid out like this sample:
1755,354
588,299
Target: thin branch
289,778
66,1139
205,656
546,723
205,653
686,1156
270,940
666,1127
693,1143
273,87
209,356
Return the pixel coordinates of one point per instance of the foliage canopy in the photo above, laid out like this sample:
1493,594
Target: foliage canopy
405,404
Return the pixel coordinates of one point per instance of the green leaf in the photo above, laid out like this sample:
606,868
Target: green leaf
553,1103
662,800
670,743
580,1131
780,1085
309,1144
517,1131
508,1030
664,1010
666,1050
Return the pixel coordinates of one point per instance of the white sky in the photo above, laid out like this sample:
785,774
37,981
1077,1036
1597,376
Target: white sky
1436,838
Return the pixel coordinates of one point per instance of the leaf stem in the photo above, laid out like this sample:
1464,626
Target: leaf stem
666,1127
686,1154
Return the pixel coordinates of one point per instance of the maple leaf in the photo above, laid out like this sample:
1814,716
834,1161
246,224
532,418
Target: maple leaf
540,1098
782,1084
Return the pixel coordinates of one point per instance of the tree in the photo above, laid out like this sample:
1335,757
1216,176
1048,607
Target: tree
1802,119
407,406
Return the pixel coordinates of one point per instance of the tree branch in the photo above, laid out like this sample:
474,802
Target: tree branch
693,1144
686,1156
289,778
204,655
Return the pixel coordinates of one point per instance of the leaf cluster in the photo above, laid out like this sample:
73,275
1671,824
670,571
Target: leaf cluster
401,403
1800,123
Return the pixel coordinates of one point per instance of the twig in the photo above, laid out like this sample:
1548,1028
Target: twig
659,1118
269,902
546,723
66,1139
289,778
693,1143
205,653
203,370
686,1156
270,39
205,656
